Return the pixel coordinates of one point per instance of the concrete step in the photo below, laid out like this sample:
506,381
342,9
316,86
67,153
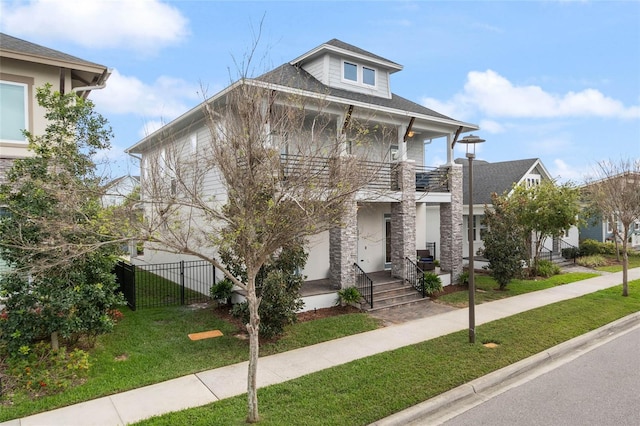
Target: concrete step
385,307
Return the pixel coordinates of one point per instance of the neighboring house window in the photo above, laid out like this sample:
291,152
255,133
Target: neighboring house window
14,112
637,226
479,228
359,74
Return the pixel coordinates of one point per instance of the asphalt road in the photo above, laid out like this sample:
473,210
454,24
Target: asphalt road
601,387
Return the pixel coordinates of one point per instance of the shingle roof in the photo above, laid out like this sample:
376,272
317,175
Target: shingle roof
10,43
290,76
346,46
492,177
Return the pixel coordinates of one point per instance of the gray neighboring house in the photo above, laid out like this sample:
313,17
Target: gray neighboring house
499,177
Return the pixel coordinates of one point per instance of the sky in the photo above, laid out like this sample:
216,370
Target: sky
555,80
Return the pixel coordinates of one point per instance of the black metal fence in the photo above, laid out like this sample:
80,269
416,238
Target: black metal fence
165,284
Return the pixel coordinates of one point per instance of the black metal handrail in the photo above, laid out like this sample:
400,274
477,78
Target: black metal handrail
432,179
321,169
568,251
415,276
364,284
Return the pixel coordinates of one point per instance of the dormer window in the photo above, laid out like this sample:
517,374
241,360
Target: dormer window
358,74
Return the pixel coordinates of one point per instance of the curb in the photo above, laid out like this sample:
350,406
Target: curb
455,401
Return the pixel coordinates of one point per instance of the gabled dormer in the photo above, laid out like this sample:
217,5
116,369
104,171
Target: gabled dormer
343,66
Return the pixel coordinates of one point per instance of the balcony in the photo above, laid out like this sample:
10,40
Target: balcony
384,175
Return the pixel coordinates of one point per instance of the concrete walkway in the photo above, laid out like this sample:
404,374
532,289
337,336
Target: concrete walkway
209,386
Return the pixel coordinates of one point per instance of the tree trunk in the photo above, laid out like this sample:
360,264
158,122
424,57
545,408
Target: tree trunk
625,265
55,345
254,346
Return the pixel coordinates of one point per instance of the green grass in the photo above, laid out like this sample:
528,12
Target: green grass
155,346
634,262
153,290
487,288
366,390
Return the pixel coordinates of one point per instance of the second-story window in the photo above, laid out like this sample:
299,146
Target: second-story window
358,74
369,76
350,71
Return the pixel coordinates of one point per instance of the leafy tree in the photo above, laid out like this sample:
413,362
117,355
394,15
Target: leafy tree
53,239
503,241
614,192
543,211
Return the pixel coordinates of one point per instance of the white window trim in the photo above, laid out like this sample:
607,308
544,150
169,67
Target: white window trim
359,74
25,93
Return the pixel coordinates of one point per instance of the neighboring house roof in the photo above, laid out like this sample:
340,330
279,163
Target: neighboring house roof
120,179
83,73
496,177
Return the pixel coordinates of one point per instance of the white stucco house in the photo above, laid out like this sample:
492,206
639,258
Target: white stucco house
384,230
24,67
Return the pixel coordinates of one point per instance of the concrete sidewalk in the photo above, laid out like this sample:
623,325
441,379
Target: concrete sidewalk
209,386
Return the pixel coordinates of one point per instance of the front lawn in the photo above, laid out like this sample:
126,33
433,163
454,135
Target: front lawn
487,288
365,390
151,345
616,266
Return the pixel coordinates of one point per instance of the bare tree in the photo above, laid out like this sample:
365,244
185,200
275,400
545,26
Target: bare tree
614,192
276,168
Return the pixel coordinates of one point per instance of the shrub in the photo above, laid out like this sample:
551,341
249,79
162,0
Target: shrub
278,285
591,247
222,291
546,268
280,302
348,296
40,370
463,279
570,252
432,283
591,261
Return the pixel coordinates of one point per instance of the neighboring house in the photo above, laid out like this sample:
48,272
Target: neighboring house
601,229
117,191
383,229
24,67
499,178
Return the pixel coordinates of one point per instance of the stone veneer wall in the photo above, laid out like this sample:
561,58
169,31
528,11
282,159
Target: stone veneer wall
343,244
403,219
451,226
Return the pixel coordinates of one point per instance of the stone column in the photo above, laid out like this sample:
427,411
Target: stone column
403,219
343,249
451,225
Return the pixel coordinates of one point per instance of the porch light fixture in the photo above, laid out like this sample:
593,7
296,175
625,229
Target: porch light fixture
470,141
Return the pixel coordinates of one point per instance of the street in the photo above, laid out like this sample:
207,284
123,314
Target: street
601,387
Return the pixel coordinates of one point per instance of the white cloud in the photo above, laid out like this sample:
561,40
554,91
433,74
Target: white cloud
491,126
166,98
494,95
150,127
564,172
140,25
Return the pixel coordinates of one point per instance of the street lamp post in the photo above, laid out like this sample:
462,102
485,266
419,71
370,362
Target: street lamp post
470,141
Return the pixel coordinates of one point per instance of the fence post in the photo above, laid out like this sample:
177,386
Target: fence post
133,287
182,282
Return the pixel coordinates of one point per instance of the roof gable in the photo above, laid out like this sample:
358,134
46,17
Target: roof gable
497,177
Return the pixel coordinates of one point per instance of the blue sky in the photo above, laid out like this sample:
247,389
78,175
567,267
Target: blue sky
558,80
